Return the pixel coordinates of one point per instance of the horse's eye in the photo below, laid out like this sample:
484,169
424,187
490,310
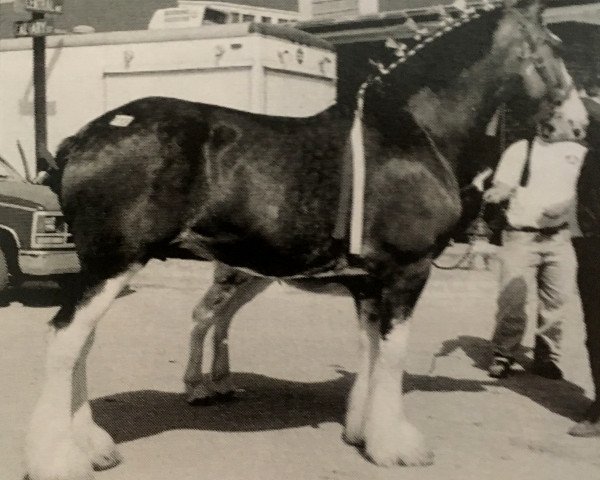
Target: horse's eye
537,60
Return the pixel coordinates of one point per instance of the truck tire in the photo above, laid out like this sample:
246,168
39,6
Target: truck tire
4,275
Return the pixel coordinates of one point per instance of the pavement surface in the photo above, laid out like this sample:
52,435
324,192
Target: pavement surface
294,355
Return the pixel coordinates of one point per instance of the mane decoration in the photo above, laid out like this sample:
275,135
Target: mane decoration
423,37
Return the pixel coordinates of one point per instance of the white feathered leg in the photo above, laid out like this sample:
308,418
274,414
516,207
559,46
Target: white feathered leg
390,437
93,440
52,453
358,399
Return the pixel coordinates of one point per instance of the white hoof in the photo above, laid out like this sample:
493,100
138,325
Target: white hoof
353,437
400,444
62,460
101,449
354,431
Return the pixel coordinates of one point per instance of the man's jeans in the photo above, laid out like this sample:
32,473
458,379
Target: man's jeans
536,268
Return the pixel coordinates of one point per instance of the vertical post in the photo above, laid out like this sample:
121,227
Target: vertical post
368,7
305,9
39,97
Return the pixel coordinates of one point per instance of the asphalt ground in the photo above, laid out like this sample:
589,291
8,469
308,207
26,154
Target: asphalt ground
294,354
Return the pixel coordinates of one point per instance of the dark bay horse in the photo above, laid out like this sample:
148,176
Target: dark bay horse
261,193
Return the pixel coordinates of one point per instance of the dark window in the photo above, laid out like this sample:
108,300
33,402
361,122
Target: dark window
214,16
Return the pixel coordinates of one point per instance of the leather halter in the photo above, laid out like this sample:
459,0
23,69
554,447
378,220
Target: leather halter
557,92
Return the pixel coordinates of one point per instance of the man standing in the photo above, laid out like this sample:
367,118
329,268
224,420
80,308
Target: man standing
587,248
537,178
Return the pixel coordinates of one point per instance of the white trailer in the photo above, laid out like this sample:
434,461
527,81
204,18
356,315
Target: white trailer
255,67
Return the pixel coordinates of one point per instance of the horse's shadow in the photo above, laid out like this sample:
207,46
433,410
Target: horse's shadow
560,397
262,403
41,294
265,403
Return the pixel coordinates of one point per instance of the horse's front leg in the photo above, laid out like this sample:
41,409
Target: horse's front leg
368,322
389,437
231,289
59,447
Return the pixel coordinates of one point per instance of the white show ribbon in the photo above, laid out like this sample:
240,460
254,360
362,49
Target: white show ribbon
357,212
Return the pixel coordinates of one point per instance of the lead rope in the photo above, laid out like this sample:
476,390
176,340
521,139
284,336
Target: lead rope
479,221
357,132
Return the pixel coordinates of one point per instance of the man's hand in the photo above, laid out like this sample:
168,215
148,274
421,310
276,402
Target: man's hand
557,211
498,193
480,178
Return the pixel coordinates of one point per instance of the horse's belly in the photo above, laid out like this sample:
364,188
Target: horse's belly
259,254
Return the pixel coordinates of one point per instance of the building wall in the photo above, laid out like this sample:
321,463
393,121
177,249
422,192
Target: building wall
582,49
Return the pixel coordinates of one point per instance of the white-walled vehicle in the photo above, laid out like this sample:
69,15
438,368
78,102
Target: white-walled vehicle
195,13
34,239
246,66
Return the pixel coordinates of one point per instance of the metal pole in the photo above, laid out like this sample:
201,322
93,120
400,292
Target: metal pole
39,97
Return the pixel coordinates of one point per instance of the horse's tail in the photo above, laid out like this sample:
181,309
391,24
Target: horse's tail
54,172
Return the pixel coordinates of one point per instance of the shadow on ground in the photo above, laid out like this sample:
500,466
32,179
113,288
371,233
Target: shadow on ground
36,294
560,397
41,294
265,403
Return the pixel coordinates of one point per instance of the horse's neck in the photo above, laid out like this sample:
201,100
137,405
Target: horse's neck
452,114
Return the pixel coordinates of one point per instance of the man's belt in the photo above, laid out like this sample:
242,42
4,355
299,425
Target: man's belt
541,231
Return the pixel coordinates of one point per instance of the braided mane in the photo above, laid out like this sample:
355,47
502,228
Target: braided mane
432,65
441,55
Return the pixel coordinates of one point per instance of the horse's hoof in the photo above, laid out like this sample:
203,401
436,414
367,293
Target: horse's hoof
95,442
356,439
106,460
64,461
400,445
103,452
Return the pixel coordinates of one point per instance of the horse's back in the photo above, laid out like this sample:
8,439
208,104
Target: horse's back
137,177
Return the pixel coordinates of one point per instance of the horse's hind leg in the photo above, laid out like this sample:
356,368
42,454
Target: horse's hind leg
96,443
58,446
231,290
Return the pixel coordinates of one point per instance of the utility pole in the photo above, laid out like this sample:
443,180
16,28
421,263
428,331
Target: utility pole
38,27
39,97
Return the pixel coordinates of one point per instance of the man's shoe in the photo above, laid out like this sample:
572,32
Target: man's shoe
547,369
585,428
500,367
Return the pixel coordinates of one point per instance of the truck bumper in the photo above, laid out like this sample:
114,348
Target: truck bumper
48,262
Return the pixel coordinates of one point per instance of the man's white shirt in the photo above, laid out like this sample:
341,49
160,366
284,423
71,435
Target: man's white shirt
548,199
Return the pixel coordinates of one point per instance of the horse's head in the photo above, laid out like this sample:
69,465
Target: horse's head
531,56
